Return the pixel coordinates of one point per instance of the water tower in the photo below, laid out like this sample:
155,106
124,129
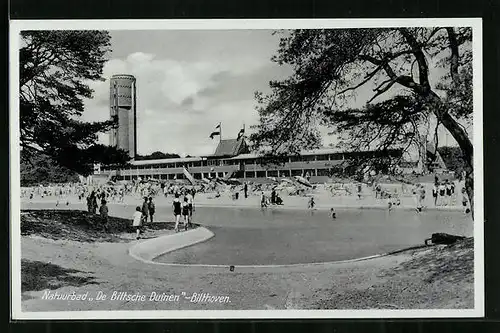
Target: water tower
123,108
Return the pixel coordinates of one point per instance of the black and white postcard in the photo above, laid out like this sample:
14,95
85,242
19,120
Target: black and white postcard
172,169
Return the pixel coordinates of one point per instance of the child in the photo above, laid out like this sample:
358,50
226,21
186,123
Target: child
176,205
185,213
137,217
103,211
151,208
333,214
263,200
311,203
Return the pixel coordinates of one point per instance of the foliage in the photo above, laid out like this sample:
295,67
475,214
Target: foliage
414,76
452,157
157,155
41,169
331,66
55,69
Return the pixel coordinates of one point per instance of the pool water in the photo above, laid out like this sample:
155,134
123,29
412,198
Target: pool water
267,237
252,236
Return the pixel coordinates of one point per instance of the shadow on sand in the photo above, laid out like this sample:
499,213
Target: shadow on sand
37,275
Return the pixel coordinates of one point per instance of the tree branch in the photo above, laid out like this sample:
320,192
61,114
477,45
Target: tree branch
452,38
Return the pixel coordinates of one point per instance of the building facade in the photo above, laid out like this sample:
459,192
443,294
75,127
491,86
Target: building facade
123,109
232,160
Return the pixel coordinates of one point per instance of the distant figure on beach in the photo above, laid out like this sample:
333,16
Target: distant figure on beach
442,193
435,191
103,211
263,200
359,190
333,215
311,203
176,205
279,201
378,191
273,196
137,221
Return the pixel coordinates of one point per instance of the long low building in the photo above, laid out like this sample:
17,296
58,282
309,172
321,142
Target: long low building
233,160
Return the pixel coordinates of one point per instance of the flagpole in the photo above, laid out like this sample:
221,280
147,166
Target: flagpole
220,132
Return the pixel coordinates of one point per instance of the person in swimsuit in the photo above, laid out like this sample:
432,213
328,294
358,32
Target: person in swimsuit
185,212
435,193
449,192
442,193
176,205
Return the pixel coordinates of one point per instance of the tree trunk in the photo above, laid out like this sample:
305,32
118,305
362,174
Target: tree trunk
463,141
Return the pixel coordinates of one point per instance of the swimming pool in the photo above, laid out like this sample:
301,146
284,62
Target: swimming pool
245,236
274,236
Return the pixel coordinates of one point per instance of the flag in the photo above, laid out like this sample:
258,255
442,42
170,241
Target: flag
215,132
241,133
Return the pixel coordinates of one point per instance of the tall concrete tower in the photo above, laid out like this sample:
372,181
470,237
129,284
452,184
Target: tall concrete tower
123,107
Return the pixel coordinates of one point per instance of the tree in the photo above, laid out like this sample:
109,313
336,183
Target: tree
157,155
41,169
418,76
55,68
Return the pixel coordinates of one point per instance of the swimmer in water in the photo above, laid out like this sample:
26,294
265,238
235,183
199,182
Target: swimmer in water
333,214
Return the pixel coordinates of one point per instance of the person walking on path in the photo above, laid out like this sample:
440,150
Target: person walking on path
176,205
245,189
151,209
137,221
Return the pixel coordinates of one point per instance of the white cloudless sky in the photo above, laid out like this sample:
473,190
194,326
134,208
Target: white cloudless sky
190,80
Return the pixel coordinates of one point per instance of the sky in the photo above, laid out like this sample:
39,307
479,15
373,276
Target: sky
188,81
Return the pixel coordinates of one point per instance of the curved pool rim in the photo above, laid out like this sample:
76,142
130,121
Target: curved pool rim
188,243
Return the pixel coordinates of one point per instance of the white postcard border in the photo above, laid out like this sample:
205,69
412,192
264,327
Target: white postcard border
16,26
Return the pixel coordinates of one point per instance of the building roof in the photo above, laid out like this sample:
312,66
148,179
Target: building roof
230,147
166,160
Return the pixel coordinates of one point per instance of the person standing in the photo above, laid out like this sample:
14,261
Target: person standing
137,221
435,193
151,209
449,192
263,202
442,193
145,210
190,201
245,189
185,213
103,211
176,205
273,196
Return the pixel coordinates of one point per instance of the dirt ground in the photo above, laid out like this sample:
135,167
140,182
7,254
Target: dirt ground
439,277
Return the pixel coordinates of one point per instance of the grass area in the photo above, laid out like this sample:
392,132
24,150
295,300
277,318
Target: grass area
82,226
